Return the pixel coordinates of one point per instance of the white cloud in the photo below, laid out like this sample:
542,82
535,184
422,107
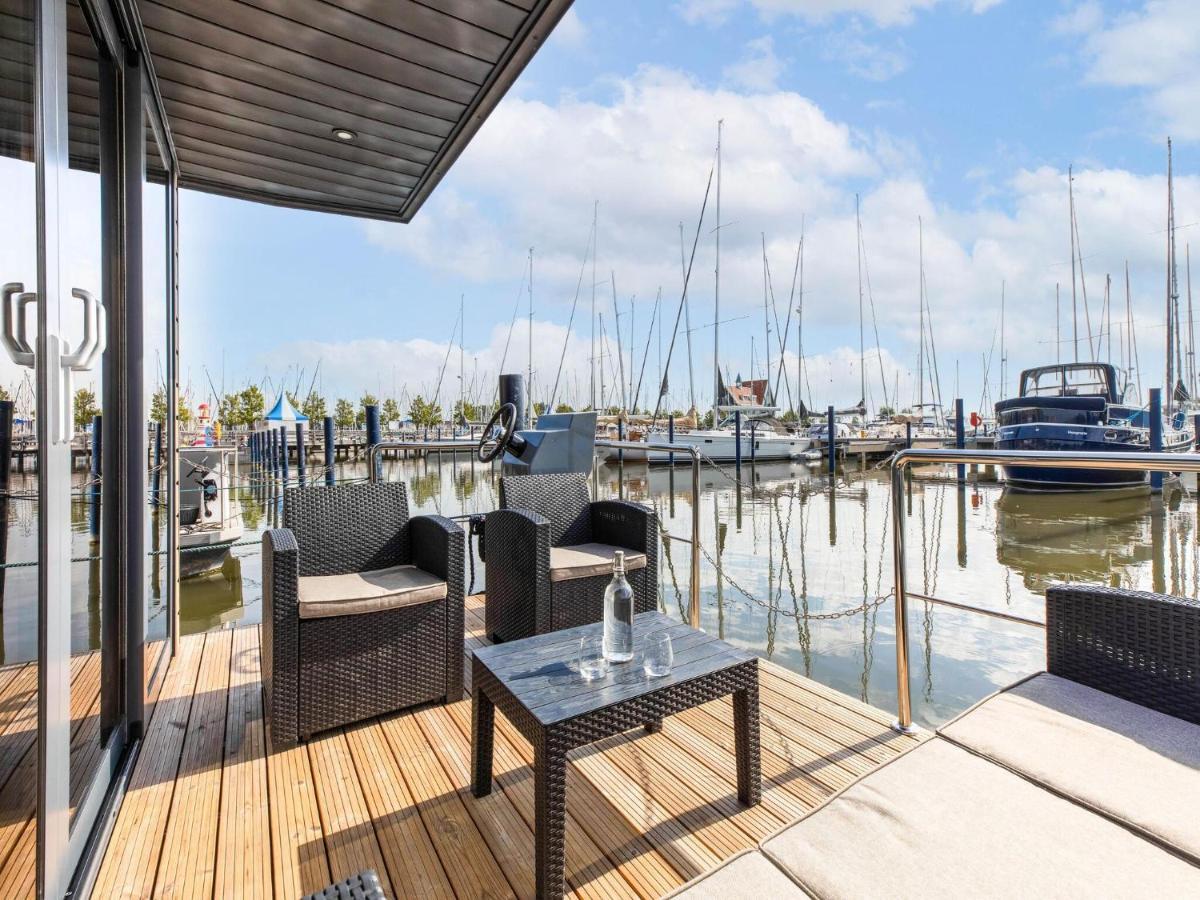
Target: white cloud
570,30
645,154
1153,50
884,13
866,59
759,68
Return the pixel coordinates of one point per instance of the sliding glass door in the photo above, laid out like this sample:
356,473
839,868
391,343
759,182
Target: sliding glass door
86,523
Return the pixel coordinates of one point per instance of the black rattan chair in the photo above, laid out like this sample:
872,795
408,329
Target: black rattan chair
363,609
548,554
1142,647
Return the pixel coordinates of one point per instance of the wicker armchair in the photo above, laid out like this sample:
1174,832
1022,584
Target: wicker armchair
1142,647
363,609
549,555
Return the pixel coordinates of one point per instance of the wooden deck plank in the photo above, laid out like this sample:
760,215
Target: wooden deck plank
345,820
591,872
243,836
189,847
412,861
132,857
299,863
645,812
464,853
506,834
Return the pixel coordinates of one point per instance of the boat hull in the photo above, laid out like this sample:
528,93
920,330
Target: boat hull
1075,439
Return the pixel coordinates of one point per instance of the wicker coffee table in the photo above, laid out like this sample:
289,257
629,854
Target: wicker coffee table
535,683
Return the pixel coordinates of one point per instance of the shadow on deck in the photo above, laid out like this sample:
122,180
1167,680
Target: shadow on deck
209,813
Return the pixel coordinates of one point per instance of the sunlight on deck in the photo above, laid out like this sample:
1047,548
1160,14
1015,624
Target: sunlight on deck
210,814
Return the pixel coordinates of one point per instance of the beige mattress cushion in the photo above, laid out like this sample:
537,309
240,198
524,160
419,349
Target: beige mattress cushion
1134,764
940,821
747,876
366,592
586,560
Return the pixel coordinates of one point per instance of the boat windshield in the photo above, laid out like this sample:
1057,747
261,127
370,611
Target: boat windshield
1068,381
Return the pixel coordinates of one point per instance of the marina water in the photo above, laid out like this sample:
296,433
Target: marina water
794,565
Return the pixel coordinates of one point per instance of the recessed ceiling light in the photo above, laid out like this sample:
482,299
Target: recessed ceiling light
344,134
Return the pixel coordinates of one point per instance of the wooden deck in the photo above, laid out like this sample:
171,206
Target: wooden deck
210,813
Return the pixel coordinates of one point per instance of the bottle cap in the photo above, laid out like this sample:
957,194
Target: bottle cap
619,561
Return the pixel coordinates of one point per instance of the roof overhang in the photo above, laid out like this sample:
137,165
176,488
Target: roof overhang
255,90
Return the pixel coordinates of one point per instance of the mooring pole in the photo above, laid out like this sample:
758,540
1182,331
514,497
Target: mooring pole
330,449
671,437
6,430
94,485
373,437
960,438
283,454
753,448
908,435
737,441
829,432
1156,436
300,460
156,480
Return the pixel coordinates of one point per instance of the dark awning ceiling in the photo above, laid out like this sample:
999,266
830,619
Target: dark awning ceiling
253,90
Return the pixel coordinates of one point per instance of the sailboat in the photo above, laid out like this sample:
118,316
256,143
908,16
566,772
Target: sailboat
754,400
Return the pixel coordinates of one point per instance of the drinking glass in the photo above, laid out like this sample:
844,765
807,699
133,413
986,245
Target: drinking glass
592,664
657,656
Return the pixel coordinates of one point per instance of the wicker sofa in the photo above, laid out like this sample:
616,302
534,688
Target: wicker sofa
1083,780
363,609
549,553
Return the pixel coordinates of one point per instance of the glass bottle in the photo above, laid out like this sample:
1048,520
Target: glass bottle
618,614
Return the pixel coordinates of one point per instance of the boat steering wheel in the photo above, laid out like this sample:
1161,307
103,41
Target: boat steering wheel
505,419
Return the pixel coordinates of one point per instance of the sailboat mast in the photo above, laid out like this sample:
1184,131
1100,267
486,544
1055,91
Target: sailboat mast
1134,360
921,330
529,383
800,319
612,277
717,291
1057,328
862,350
766,319
595,241
1170,380
1187,255
462,406
1003,352
1074,302
687,323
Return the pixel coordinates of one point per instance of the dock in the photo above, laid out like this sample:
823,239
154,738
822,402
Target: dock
211,813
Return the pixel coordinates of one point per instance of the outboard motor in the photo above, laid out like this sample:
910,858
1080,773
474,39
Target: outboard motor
561,442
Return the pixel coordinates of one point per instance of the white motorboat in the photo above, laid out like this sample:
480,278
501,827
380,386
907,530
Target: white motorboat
210,516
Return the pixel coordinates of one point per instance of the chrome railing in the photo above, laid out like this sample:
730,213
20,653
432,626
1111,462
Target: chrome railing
1142,462
375,456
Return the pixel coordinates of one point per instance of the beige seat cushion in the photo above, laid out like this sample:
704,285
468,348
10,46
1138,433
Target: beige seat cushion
1134,764
940,821
366,592
747,876
586,560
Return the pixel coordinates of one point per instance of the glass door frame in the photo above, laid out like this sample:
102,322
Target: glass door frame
129,98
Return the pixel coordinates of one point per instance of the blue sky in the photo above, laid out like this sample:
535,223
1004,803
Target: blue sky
965,112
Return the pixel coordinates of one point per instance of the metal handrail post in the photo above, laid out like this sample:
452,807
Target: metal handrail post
903,721
1144,462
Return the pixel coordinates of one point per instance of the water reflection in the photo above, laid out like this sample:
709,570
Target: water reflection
793,568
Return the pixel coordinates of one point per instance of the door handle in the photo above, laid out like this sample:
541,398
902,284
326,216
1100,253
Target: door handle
14,339
95,339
